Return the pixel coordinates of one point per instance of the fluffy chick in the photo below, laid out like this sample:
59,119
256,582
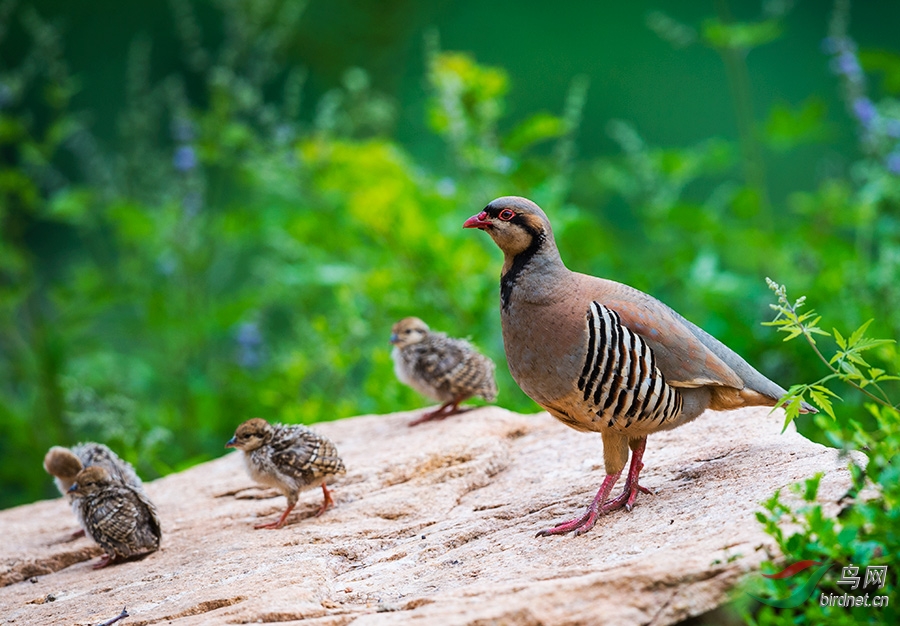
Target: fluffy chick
64,464
118,516
289,458
440,368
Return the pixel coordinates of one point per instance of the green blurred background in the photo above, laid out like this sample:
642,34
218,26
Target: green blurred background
213,210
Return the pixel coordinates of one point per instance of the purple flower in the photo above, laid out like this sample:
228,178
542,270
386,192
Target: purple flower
848,65
834,45
185,159
864,111
893,162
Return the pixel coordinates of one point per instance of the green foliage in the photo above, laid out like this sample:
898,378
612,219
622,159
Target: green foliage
242,251
865,532
848,363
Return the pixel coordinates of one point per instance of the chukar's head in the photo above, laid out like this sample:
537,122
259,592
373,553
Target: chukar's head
250,435
515,224
90,480
408,331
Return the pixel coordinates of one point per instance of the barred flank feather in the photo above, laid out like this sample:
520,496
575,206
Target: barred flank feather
620,379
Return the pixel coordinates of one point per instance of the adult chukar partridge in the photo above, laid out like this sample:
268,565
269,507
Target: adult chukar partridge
118,516
440,367
601,356
289,458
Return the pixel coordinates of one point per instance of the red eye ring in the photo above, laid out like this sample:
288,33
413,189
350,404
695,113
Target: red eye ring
506,215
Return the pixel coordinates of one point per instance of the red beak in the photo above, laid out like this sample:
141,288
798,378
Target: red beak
478,221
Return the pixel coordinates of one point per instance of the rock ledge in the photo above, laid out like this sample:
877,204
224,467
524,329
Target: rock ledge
434,525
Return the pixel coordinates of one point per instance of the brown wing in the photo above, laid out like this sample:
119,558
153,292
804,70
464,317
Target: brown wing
112,520
682,358
302,453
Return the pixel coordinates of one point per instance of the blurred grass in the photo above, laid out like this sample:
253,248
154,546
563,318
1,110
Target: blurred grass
241,252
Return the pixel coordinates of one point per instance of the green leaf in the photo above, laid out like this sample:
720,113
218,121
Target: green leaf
841,342
825,390
811,487
537,128
821,400
851,370
788,127
740,35
791,411
858,333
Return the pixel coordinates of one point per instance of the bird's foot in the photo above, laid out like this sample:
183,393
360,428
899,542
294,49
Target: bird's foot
586,522
443,411
280,522
105,560
625,499
579,526
273,525
327,501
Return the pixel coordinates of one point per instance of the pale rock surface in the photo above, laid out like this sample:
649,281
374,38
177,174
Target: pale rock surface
433,525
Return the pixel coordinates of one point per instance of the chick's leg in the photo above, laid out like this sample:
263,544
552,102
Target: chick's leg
280,522
327,502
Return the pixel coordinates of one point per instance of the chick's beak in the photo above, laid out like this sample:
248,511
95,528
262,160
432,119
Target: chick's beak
394,338
478,221
73,488
232,443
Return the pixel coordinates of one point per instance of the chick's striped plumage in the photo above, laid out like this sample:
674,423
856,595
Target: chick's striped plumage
289,458
118,516
439,367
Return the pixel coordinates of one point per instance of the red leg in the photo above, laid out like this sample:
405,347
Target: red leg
280,521
586,521
451,407
327,502
632,488
105,560
626,499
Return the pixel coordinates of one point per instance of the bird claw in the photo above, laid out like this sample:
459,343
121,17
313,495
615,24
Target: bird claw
579,526
271,525
625,499
439,413
105,560
588,520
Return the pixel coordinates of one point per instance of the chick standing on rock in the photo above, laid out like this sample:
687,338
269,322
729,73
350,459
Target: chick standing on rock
440,368
289,458
601,356
119,517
